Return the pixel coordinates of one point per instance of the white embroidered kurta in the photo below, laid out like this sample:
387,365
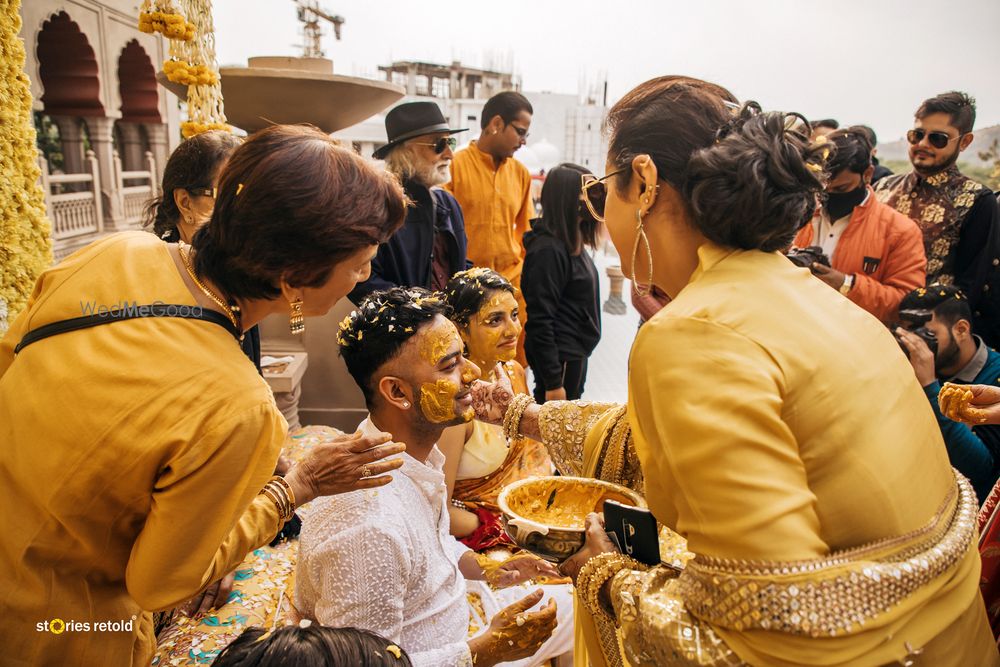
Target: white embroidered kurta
383,560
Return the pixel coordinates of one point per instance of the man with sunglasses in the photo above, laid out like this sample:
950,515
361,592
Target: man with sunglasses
957,215
431,245
495,191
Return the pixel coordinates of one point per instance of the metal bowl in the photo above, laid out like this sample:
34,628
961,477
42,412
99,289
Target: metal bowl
545,515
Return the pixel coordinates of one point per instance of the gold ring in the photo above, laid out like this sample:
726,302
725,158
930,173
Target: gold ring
365,471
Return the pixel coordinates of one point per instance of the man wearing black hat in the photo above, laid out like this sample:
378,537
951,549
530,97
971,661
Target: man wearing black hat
431,245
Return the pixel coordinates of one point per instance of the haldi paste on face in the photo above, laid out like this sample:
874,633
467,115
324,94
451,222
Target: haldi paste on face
484,340
438,342
437,401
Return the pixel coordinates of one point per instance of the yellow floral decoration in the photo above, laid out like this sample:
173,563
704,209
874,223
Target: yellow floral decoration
172,26
192,64
25,243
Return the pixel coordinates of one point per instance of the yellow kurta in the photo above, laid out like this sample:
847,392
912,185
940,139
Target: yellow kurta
129,452
496,205
777,421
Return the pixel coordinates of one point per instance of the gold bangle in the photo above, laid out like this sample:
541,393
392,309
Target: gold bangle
515,411
275,496
595,573
288,489
278,491
508,414
515,425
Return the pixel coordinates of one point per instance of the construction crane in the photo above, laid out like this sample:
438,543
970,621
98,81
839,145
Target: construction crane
310,15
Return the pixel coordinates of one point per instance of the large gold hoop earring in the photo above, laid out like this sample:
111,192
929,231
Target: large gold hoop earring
640,288
297,322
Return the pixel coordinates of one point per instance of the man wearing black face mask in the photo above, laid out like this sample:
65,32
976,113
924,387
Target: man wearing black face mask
877,254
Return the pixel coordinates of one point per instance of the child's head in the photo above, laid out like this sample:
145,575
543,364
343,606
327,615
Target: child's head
311,646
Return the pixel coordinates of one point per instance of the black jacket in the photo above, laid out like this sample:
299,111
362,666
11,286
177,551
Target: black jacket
563,296
405,259
881,171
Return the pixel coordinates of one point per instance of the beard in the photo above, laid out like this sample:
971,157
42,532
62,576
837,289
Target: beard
433,174
948,355
940,164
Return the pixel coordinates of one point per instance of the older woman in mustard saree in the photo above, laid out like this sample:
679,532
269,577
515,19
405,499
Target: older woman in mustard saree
778,426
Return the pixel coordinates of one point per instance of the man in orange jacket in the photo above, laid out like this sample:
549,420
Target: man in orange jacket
877,254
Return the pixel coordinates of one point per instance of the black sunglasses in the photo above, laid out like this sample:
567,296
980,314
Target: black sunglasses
935,139
441,144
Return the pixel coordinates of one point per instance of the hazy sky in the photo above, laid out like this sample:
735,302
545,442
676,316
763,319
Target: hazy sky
869,61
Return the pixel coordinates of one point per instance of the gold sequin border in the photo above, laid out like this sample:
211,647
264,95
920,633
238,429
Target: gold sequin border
826,597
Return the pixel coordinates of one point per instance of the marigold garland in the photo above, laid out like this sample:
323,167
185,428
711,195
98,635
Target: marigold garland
25,243
192,63
190,75
171,26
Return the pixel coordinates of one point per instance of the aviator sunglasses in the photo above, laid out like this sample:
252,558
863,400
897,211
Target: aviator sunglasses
440,144
935,139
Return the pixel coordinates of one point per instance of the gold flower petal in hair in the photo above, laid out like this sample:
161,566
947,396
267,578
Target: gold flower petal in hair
239,188
395,650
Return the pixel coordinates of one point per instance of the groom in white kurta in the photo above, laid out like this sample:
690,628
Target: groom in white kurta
383,559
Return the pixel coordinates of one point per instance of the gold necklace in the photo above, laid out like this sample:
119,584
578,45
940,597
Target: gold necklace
230,311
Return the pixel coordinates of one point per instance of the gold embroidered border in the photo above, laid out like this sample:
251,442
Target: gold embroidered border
830,596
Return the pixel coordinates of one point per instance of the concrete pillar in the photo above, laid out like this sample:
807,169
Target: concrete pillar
102,143
71,136
615,305
132,149
411,80
159,146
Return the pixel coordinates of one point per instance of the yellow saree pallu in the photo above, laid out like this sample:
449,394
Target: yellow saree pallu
525,458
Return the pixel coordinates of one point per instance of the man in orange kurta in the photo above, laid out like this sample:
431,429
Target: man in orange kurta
876,253
494,191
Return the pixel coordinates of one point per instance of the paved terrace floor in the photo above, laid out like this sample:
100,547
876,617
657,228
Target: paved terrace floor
607,374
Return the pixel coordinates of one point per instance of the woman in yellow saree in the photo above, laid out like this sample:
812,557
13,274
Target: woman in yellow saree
479,459
778,426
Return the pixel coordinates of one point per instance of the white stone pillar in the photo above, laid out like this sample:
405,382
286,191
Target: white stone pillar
71,137
159,146
132,148
102,143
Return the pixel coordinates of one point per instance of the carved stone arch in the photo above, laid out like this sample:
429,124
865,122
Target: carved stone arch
137,85
68,69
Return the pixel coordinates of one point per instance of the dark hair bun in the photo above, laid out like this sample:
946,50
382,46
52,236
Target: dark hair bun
757,185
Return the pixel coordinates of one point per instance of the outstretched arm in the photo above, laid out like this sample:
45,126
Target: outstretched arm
562,426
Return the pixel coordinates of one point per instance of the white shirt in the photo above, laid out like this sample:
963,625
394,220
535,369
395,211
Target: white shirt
384,560
827,234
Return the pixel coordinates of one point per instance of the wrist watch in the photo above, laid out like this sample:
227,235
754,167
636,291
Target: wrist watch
848,283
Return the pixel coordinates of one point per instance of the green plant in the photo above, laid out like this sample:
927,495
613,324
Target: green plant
992,154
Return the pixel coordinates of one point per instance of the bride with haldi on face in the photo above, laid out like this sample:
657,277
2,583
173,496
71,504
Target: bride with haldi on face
778,426
479,459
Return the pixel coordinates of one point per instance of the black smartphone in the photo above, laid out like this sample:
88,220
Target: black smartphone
633,530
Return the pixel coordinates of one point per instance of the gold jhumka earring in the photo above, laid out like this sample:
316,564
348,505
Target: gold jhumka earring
297,322
640,288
